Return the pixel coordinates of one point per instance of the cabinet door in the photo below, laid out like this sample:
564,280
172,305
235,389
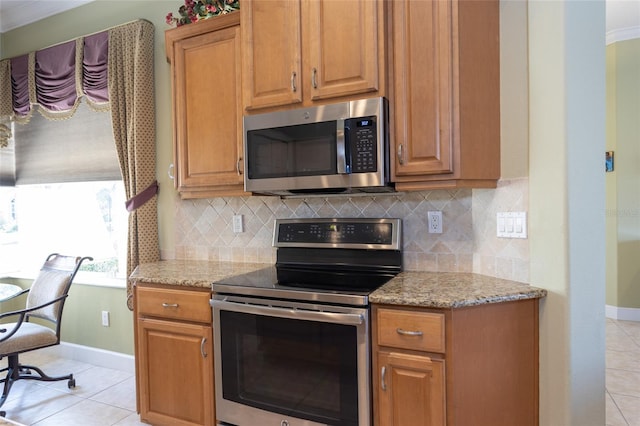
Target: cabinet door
207,109
271,46
176,373
411,390
422,104
342,47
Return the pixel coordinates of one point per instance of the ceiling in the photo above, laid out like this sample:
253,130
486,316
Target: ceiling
621,14
16,13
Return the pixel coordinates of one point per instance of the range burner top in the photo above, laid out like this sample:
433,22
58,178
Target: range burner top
338,261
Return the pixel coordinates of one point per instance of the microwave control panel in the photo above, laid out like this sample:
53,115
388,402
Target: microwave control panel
363,144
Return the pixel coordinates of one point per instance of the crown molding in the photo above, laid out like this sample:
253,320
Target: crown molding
623,34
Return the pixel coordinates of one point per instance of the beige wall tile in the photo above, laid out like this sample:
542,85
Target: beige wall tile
468,242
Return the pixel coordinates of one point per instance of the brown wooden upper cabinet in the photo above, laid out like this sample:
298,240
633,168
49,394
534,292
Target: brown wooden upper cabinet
302,52
207,106
445,106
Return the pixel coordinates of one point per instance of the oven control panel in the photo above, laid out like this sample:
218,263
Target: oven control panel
338,233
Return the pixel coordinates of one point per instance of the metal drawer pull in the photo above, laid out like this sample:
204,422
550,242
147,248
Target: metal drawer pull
169,305
408,333
382,375
314,78
293,82
170,172
204,354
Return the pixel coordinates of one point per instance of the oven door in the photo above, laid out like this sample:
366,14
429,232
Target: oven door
289,363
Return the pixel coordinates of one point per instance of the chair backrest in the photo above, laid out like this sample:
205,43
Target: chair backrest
53,281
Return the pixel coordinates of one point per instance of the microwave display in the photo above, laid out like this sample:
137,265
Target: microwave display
362,142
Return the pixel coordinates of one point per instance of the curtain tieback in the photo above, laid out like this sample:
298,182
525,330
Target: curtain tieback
141,198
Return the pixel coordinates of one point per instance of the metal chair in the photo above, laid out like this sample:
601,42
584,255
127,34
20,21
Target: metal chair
45,300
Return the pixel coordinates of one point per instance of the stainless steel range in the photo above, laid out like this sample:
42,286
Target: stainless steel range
292,341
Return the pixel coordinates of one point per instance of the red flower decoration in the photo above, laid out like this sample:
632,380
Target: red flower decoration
194,11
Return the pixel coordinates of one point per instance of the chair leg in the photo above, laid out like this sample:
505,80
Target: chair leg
16,371
26,369
13,373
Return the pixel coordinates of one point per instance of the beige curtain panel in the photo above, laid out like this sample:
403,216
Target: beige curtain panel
133,115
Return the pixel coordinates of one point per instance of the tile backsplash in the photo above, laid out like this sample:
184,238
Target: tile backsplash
468,243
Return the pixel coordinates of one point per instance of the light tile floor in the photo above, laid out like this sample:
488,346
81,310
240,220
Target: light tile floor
106,397
102,396
623,373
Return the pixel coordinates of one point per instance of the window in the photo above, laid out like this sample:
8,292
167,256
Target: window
65,199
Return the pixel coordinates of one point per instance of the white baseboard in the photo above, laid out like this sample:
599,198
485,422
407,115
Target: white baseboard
95,356
625,314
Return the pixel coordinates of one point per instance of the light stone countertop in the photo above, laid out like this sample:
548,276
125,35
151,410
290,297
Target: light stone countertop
423,289
451,290
191,273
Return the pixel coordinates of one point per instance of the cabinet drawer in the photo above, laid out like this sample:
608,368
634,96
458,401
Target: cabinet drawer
185,305
420,331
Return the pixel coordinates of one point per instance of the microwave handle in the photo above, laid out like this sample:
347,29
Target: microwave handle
341,148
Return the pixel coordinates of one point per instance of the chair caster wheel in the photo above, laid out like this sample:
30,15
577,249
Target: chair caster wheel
71,383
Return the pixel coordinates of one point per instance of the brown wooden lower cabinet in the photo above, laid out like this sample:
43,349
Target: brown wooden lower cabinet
174,356
484,373
412,389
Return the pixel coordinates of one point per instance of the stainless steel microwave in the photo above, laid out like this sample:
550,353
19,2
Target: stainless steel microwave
335,148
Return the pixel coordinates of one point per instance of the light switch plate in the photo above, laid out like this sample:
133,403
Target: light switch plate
511,225
237,223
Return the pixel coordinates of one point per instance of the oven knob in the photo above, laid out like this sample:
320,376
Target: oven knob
284,423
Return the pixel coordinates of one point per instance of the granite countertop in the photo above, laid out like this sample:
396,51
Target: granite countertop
451,290
191,273
423,289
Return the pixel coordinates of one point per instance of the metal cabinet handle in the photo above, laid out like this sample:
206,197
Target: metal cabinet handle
238,165
408,333
170,172
202,343
297,314
383,373
314,78
293,82
400,154
169,305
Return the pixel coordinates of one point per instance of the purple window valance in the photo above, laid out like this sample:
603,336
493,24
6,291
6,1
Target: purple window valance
56,77
20,85
94,67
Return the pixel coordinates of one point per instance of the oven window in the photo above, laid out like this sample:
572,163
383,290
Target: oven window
302,150
303,369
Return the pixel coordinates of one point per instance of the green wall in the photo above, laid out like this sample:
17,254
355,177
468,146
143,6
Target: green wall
623,185
82,319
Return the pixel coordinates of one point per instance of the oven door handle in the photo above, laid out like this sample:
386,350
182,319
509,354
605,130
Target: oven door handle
299,314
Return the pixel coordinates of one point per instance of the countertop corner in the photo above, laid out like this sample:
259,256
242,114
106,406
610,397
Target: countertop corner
451,290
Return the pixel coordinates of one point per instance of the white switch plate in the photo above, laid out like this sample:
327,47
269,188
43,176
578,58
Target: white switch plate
237,223
511,225
105,318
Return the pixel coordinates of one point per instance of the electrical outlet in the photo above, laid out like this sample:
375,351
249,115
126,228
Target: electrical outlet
435,222
105,318
237,223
